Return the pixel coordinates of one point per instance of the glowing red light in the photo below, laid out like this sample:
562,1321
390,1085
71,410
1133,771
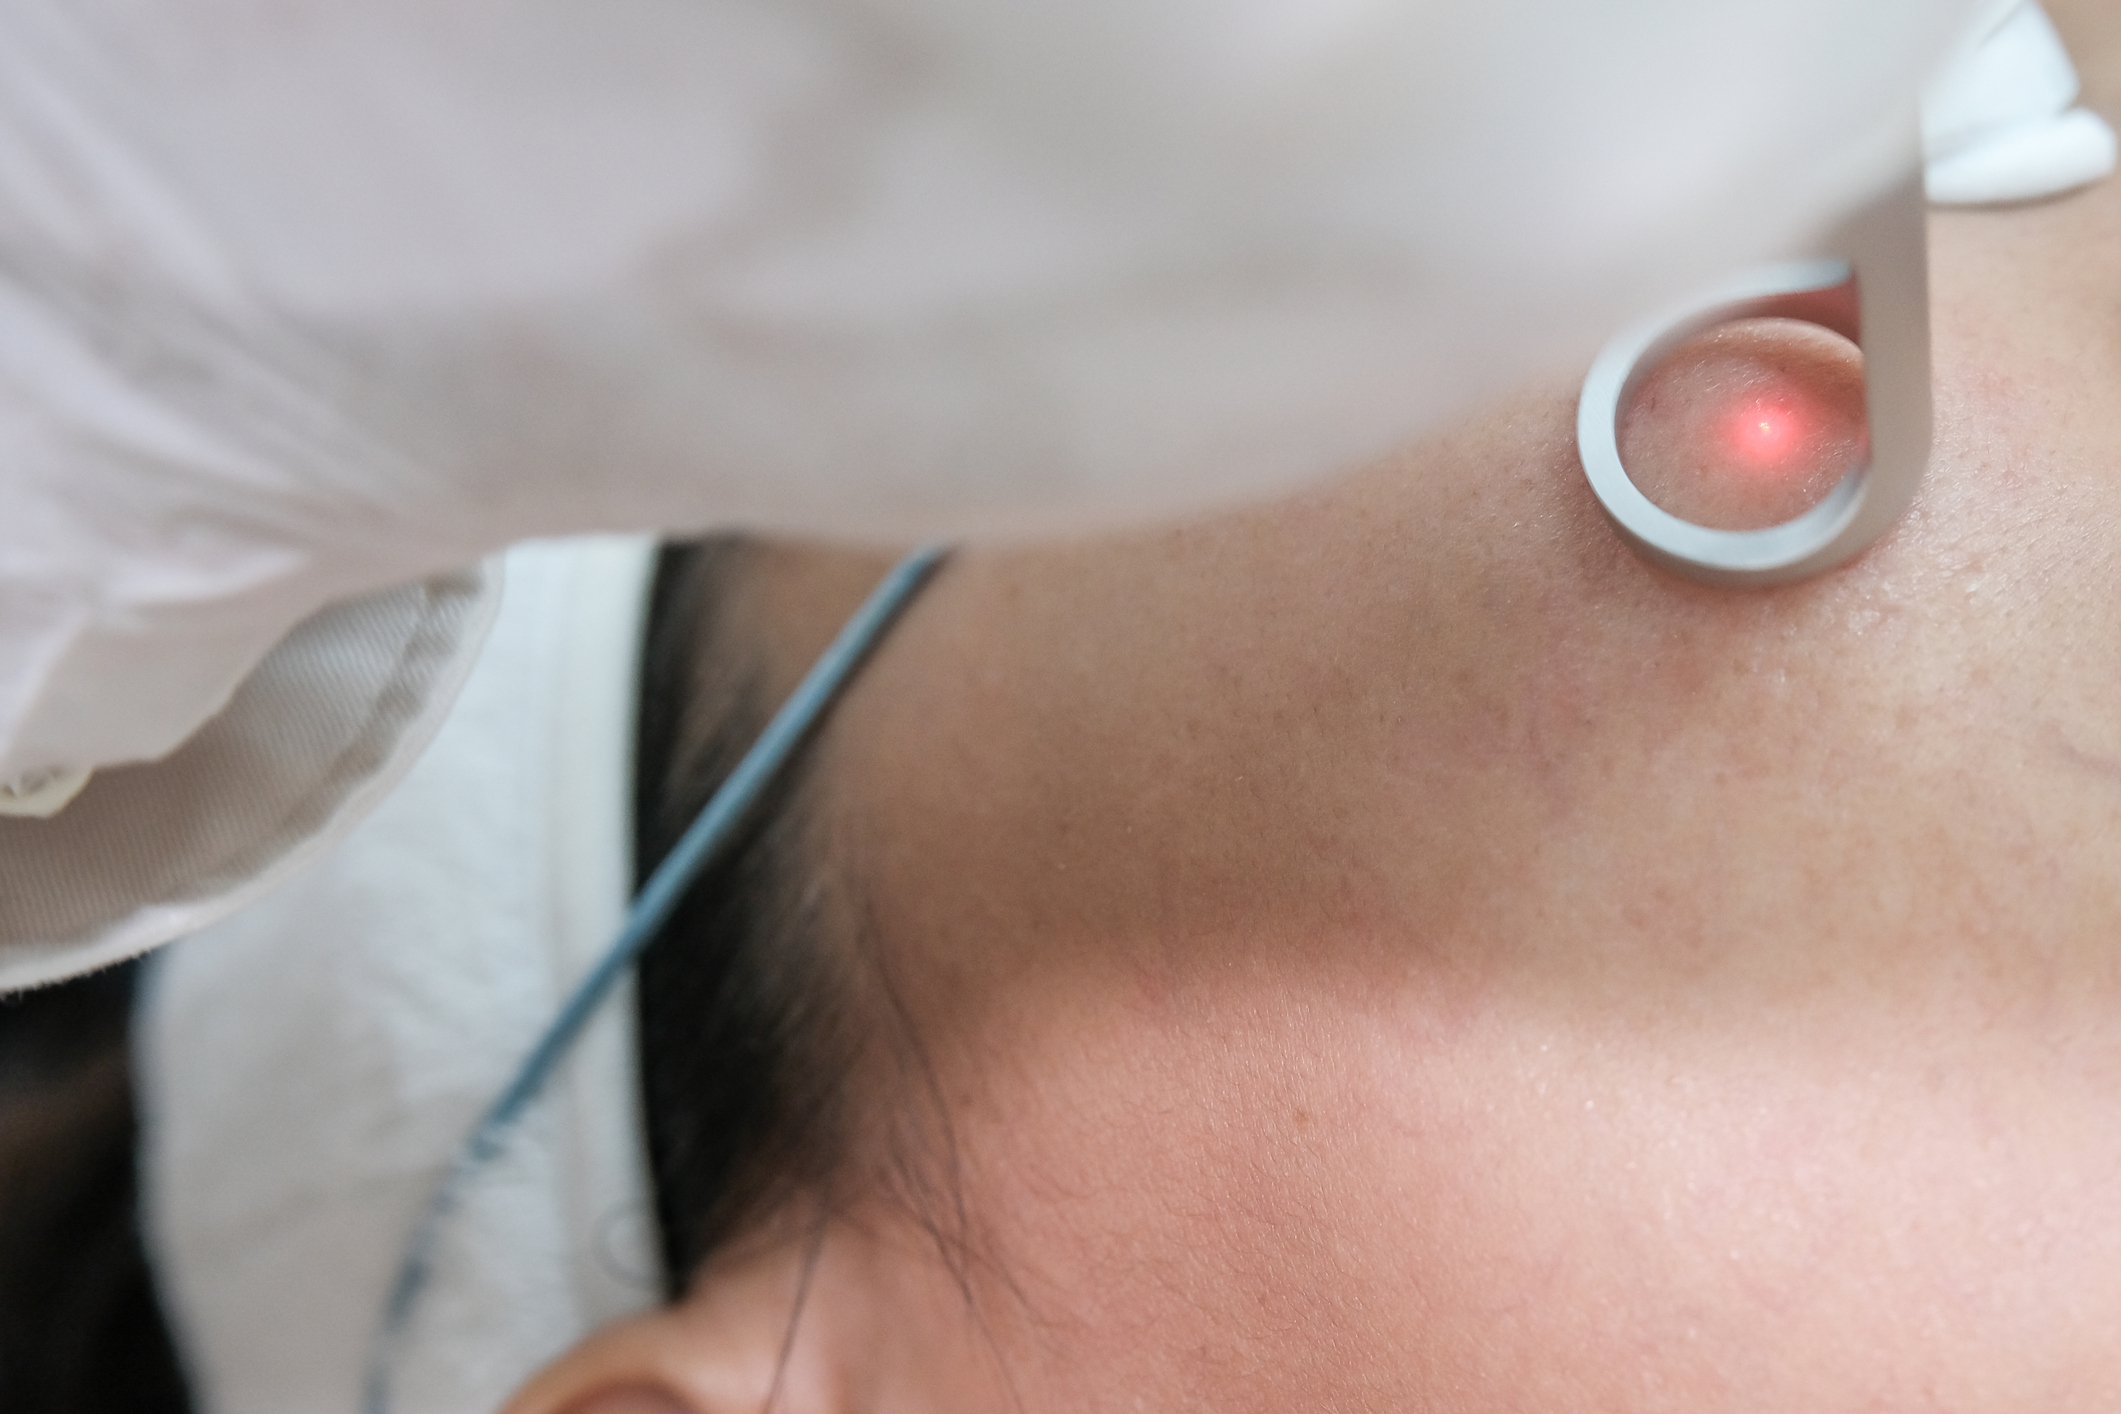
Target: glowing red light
1766,433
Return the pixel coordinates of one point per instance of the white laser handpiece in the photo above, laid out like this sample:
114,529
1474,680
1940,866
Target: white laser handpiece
1868,282
1998,126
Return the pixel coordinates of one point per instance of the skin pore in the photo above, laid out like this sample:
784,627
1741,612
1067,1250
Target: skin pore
1395,950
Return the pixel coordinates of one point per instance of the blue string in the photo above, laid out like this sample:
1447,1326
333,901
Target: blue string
702,843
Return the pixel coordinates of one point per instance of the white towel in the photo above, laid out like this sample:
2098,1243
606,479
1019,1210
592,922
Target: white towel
309,1066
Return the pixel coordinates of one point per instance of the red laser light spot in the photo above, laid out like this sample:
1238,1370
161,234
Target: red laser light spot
1767,433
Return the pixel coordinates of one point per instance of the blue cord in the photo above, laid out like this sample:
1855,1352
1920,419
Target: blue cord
702,843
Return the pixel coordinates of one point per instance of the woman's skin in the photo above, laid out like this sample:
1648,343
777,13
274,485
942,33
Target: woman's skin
1395,950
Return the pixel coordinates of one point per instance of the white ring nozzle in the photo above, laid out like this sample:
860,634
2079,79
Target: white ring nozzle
1875,292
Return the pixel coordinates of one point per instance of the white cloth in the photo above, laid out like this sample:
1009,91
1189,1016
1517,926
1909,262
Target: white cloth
304,298
1999,125
309,1066
314,737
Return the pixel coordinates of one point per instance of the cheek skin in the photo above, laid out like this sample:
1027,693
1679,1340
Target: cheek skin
1303,1190
1747,425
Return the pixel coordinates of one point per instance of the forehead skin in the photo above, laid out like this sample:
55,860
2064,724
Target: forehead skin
1395,950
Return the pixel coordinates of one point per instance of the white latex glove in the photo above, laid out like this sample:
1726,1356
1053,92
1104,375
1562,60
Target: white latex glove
298,299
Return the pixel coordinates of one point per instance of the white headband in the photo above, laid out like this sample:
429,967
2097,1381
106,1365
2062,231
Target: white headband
309,1066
